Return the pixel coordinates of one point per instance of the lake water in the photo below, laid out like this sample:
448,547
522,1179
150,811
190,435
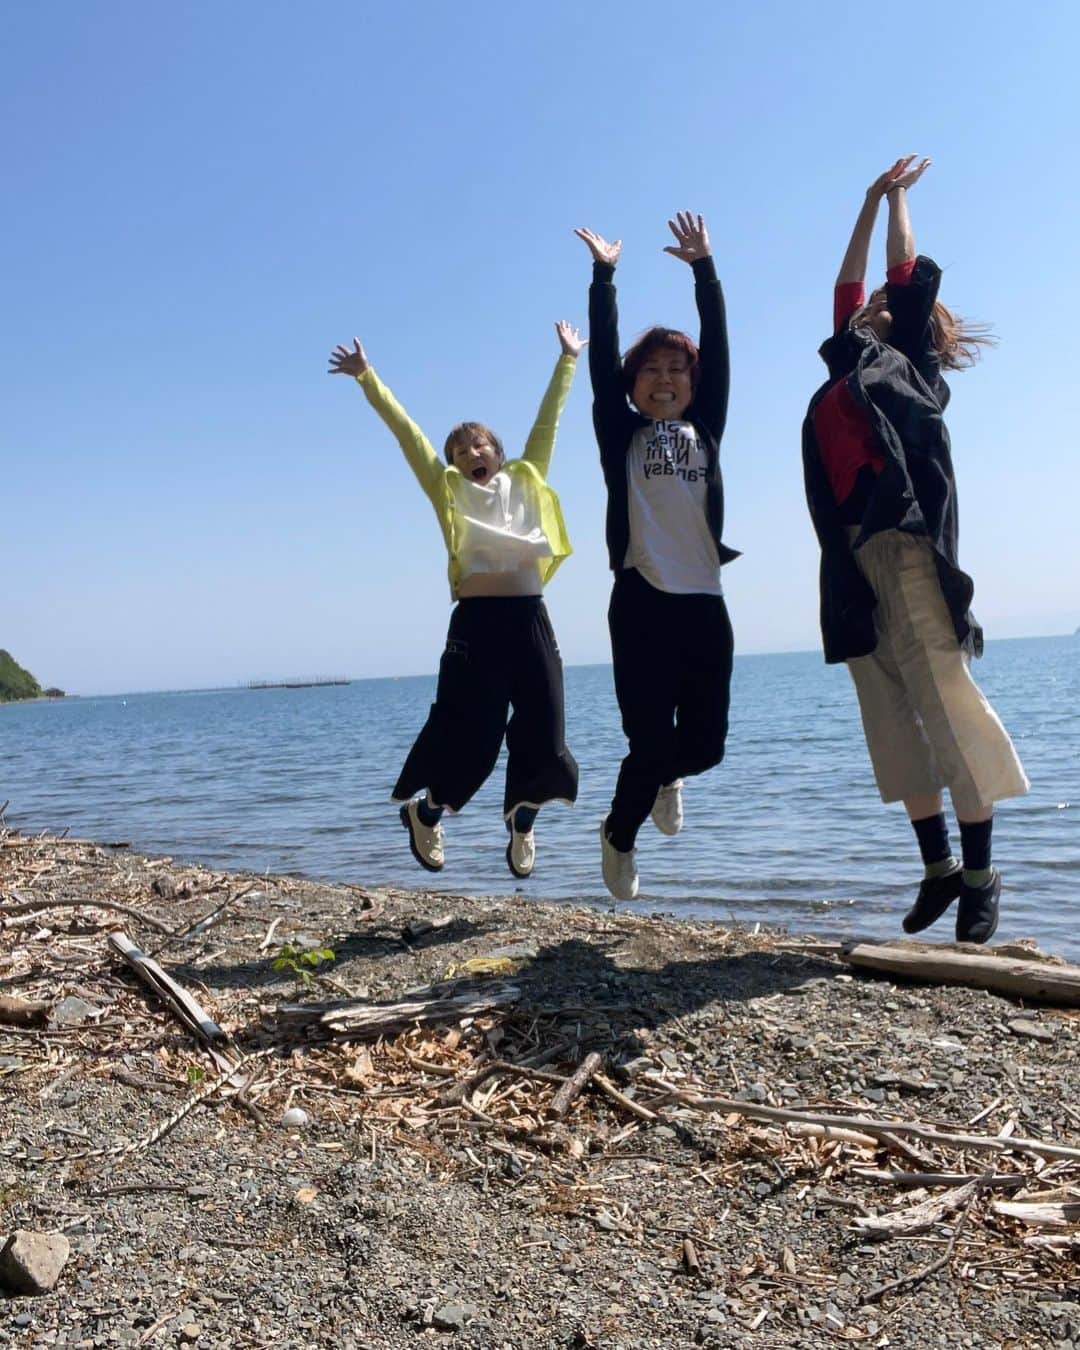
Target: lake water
788,829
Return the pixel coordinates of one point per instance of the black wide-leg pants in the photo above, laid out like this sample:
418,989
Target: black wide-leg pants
672,656
500,655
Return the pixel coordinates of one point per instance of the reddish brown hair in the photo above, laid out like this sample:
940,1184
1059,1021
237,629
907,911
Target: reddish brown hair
654,340
957,341
465,433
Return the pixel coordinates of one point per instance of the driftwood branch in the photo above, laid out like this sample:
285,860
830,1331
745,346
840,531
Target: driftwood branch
909,1180
621,1099
29,906
879,1129
575,1085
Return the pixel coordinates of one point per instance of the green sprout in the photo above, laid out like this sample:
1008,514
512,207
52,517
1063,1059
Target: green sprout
301,964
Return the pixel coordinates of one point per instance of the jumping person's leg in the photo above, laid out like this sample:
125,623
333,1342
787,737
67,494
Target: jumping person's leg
972,750
704,695
539,766
648,674
459,743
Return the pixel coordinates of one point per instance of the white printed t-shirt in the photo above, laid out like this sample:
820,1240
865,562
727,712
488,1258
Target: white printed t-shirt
498,525
670,541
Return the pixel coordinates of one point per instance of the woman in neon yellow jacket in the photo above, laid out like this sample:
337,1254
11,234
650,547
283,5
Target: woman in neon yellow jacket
505,537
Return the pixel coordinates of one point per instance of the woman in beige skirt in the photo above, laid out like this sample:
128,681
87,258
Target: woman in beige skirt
895,605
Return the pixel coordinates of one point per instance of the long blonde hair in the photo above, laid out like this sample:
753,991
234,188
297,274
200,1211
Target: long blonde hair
958,342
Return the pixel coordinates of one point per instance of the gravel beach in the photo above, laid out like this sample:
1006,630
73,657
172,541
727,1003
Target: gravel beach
434,1187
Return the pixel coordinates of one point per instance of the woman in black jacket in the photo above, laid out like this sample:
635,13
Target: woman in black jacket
894,601
671,639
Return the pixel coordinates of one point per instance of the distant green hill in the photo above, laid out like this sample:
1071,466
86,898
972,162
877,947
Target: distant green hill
14,681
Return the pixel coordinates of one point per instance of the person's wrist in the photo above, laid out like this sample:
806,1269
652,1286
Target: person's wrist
895,187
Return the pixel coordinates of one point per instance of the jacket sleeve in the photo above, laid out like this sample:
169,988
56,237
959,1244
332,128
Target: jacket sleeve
911,305
430,471
541,442
612,417
714,378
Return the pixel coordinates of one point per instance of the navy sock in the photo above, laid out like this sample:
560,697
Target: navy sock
429,815
525,818
975,844
933,836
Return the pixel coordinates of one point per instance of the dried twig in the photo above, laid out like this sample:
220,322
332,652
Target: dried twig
29,906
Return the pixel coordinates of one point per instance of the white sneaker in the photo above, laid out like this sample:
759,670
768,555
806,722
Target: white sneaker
667,809
426,841
619,869
521,852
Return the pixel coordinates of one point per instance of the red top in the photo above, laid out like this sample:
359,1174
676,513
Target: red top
845,437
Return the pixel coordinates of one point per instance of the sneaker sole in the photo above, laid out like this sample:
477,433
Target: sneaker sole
406,820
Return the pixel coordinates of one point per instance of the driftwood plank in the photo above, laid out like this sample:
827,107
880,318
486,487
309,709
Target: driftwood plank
173,995
1039,1216
918,1218
361,1020
1041,980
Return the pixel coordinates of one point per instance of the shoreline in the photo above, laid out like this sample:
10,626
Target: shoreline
490,1219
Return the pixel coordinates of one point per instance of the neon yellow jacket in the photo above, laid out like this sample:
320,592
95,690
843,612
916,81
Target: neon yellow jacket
529,472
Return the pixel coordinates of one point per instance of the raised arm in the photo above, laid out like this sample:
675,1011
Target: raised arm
541,442
850,291
417,449
692,246
900,240
610,409
912,284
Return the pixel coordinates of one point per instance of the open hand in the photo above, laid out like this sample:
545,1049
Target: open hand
692,236
345,362
570,340
904,173
599,247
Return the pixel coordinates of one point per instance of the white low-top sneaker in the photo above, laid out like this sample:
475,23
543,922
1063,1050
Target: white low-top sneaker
667,809
619,869
426,841
521,853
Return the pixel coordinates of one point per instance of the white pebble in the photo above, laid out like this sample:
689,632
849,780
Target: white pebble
295,1118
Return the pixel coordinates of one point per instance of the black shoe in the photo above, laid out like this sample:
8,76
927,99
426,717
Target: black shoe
977,915
935,896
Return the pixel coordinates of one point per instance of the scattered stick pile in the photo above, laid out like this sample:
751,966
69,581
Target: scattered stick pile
472,1075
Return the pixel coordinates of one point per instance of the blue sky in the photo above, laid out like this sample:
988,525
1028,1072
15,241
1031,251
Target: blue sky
205,198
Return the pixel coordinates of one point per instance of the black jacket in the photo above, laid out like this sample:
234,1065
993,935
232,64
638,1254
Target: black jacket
615,421
900,387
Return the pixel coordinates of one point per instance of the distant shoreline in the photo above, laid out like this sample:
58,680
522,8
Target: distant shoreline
431,674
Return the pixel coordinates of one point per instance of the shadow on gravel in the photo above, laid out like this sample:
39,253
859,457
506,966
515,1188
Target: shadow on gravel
369,944
581,974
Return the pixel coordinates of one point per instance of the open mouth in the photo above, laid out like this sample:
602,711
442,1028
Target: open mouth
479,473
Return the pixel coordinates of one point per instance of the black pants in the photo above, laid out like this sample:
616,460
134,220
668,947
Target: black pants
500,654
672,656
